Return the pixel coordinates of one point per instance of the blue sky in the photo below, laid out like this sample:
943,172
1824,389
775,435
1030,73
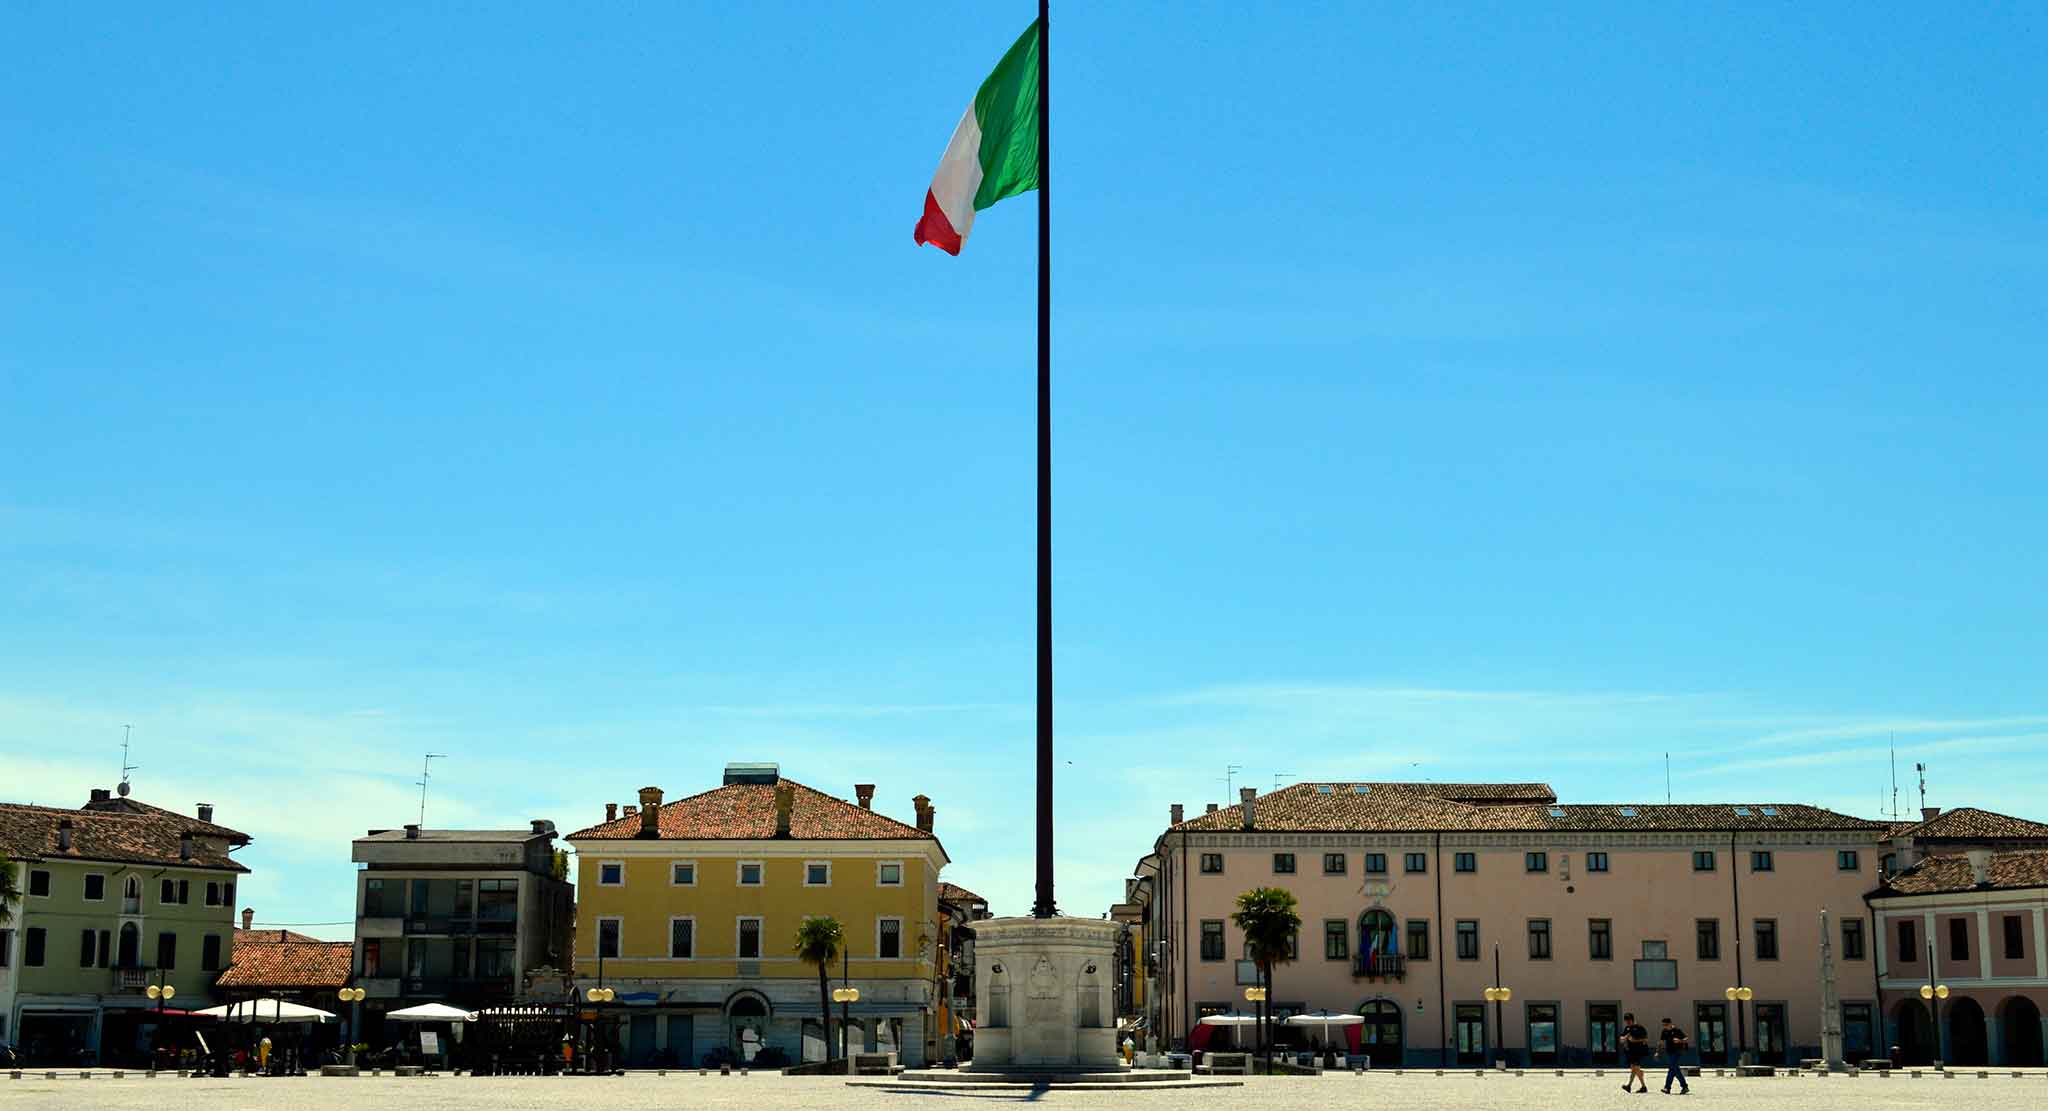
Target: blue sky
1457,394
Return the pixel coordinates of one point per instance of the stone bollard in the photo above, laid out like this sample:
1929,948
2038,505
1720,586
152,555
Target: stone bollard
1560,1072
1518,1072
49,1076
1439,1072
1982,1075
2016,1074
1915,1074
703,1072
85,1076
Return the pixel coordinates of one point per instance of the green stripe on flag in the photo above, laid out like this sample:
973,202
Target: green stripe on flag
1006,107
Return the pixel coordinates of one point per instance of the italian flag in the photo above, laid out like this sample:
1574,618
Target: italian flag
994,152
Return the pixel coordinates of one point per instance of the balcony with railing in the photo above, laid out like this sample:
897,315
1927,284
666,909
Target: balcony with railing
1380,966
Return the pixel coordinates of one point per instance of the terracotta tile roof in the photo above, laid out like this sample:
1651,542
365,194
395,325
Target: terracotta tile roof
272,937
1967,823
1937,874
746,811
301,964
1479,792
954,893
122,837
127,805
1407,807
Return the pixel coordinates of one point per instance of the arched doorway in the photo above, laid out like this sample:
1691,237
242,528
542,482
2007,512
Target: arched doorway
1379,1039
1911,1033
2019,1022
746,1024
1967,1044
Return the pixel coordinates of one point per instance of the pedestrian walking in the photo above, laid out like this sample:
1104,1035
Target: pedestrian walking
1635,1046
1675,1044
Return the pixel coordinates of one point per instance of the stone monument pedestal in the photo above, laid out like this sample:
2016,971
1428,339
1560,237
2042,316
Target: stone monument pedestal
1045,995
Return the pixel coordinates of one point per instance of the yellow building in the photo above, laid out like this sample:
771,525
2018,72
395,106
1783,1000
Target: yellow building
688,911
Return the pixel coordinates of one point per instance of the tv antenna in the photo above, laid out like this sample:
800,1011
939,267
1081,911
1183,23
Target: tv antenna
1667,779
126,767
424,776
1922,769
1230,781
1895,777
1278,776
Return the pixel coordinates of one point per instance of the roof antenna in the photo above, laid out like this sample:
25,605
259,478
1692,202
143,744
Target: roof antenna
1278,776
126,767
1895,777
1230,780
424,765
1922,769
1667,779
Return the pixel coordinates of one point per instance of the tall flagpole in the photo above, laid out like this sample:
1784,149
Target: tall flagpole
1043,906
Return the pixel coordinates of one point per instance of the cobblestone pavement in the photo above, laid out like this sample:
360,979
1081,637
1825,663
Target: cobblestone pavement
766,1092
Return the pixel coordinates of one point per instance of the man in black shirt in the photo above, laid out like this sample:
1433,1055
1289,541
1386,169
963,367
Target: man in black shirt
1635,1047
1674,1046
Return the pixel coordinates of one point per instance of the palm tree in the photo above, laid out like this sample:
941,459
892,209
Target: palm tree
1270,918
9,893
818,940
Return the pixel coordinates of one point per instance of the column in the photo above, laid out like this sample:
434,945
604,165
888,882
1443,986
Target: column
1984,945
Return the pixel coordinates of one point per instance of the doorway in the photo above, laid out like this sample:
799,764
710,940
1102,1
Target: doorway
681,1031
1967,1044
1379,1039
1542,1018
1603,1032
1709,1033
746,1026
1770,1033
1470,1021
1915,1035
2020,1021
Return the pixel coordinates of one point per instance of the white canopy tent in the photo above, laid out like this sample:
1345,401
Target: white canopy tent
266,1010
1229,1020
432,1012
1323,1022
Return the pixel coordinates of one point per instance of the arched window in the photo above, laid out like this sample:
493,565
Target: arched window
131,944
1376,938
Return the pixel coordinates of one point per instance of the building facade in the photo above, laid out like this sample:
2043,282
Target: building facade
1965,913
117,896
951,1032
1413,894
688,910
455,916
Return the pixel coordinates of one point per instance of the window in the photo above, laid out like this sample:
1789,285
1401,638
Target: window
87,940
2015,937
1415,862
818,873
682,938
1600,939
1418,939
1375,864
496,900
1703,860
1536,862
1958,939
889,874
611,873
167,950
608,937
1852,939
1766,939
1468,939
1707,931
373,900
32,947
1848,860
750,873
889,938
1656,971
106,949
209,953
496,958
1465,862
1909,947
682,873
1539,939
1888,865
750,939
1212,864
95,887
1336,940
6,951
212,894
1760,861
1333,864
373,957
39,883
1596,862
1283,864
174,892
1212,940
227,894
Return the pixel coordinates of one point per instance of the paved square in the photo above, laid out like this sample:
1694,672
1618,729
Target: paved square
764,1092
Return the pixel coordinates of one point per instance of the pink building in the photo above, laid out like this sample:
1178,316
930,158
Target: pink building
1411,894
1966,914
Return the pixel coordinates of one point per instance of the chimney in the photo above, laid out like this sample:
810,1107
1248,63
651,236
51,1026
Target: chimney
611,812
1929,813
1178,813
628,810
865,792
63,835
1247,797
412,832
1980,867
101,794
924,813
248,917
1211,809
650,811
541,825
785,802
185,845
206,812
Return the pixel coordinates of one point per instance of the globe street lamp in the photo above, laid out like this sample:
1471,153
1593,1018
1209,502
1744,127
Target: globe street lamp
597,996
1739,996
1498,995
1258,996
846,995
348,1045
1934,993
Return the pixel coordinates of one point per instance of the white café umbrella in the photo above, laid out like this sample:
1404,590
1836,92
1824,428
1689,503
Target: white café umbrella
1232,1023
267,1010
1325,1022
430,1012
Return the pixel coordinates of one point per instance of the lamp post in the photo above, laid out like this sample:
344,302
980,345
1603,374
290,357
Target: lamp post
1498,995
351,996
1258,996
1739,996
1934,993
597,997
162,993
846,995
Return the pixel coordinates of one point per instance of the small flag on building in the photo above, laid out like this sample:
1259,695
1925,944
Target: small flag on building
994,152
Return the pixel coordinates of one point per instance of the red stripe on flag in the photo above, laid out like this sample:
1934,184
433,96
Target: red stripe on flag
935,229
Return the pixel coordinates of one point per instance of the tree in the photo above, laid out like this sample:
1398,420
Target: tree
1270,918
818,940
560,867
9,893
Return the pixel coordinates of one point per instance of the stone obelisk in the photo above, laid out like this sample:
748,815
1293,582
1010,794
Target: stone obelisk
1830,1003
